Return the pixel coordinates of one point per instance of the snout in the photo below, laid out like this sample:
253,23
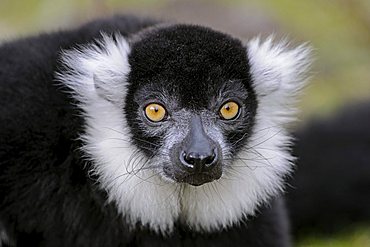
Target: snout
198,157
199,168
197,162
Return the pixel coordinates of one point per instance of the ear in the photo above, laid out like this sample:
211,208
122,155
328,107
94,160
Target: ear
278,73
97,70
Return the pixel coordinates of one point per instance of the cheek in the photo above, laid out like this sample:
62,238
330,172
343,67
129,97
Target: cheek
166,157
144,138
147,137
166,143
236,135
173,137
236,141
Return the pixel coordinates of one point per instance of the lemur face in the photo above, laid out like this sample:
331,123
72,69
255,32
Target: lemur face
190,104
183,123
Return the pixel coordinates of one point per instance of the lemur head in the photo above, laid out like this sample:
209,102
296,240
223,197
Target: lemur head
186,124
189,101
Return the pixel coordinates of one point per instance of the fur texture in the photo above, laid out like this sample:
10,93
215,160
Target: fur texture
98,77
74,170
334,153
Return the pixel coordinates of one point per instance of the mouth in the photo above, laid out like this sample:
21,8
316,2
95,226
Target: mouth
197,179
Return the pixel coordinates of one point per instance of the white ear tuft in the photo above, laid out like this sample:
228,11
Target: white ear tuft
278,73
97,70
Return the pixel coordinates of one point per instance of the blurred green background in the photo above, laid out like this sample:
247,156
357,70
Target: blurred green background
339,30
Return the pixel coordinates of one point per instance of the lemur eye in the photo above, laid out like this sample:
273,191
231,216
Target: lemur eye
229,110
155,112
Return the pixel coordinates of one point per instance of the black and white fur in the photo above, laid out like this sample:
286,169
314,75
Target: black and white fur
81,167
101,74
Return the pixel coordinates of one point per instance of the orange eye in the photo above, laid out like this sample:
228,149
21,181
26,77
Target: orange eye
229,110
155,112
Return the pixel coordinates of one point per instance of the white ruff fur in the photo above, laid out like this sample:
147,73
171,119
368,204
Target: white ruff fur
98,79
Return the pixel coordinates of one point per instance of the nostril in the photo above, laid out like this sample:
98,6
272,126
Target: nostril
189,158
209,159
212,159
187,161
195,160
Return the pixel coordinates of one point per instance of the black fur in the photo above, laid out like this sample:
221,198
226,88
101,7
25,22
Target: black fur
331,188
47,195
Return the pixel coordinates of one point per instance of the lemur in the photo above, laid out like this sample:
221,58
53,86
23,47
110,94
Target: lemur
135,132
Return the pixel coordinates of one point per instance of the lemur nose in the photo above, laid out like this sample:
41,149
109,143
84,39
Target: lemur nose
199,162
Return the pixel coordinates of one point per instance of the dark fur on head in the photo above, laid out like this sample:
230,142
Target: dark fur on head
188,68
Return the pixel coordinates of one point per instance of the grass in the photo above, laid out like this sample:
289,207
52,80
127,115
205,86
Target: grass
357,238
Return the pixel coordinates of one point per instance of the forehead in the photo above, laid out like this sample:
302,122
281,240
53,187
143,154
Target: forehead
190,61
